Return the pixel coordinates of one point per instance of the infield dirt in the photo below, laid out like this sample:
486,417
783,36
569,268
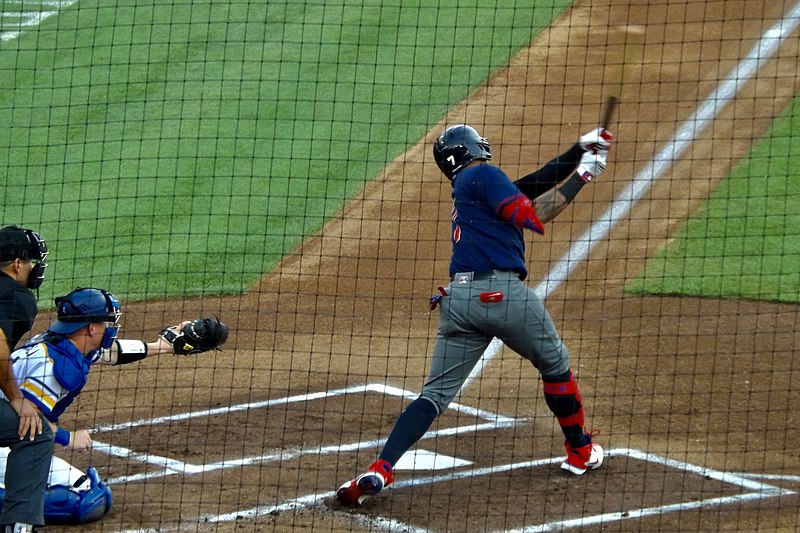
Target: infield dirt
710,382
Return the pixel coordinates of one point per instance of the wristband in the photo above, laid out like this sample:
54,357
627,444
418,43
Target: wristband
62,437
130,351
571,187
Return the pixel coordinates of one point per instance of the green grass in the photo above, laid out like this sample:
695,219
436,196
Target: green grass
745,241
183,148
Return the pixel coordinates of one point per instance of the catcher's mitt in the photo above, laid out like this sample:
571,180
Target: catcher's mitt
199,335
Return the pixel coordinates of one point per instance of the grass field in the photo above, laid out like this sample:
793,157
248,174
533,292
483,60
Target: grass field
745,241
183,148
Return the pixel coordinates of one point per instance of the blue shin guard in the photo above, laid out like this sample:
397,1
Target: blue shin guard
67,505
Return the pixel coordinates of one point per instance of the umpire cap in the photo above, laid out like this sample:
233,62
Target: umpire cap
14,244
25,244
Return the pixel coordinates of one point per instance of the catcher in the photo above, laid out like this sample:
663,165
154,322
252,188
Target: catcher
53,368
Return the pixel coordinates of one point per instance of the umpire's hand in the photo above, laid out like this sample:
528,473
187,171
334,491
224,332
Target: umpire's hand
30,423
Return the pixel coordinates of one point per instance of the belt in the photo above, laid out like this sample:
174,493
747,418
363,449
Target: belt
481,276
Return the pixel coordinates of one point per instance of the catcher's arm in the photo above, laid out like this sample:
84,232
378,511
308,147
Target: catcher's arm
78,440
188,337
125,351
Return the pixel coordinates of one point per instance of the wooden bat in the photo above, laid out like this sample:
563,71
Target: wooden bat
621,59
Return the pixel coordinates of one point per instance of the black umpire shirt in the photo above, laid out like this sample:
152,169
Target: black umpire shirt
17,309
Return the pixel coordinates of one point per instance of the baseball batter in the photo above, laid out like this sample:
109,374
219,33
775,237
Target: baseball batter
487,296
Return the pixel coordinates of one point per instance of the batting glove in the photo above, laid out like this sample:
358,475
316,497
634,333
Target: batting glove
597,140
592,165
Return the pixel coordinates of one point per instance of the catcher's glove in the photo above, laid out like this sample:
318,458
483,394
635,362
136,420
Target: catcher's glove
199,335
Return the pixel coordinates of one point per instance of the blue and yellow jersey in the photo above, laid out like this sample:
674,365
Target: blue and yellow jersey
51,375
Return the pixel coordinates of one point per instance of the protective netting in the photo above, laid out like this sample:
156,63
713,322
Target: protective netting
270,164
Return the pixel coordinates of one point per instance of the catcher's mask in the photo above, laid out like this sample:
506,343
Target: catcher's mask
25,244
457,147
85,306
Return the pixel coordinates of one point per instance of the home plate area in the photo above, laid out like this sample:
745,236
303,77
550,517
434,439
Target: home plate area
501,473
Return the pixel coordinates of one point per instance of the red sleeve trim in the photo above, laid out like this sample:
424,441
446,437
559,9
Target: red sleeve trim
519,210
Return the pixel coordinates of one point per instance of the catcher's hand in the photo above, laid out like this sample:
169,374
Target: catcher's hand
199,335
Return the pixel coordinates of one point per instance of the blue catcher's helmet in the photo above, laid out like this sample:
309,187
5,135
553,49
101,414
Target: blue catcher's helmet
85,306
457,147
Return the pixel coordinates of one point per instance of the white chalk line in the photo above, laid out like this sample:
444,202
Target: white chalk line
306,397
686,134
579,252
758,491
171,467
23,20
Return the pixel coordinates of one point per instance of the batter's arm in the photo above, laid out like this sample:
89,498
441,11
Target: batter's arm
550,175
550,204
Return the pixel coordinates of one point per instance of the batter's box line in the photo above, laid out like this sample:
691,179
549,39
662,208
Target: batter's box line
757,491
170,466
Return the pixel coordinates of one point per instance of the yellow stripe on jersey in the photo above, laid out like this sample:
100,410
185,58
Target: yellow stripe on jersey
47,353
39,393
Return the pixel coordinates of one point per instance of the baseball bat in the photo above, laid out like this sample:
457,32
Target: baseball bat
622,58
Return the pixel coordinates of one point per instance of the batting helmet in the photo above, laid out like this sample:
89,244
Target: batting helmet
85,306
21,243
457,147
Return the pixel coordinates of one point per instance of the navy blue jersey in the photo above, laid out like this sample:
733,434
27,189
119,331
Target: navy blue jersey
483,240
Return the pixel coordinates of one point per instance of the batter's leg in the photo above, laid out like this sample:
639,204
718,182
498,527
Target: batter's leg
528,329
563,397
453,359
538,341
411,425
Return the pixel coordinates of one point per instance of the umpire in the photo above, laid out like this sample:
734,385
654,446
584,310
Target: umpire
22,428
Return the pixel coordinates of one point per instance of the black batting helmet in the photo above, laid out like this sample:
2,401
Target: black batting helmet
457,147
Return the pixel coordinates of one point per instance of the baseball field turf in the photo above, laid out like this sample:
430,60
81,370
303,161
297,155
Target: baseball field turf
745,240
184,148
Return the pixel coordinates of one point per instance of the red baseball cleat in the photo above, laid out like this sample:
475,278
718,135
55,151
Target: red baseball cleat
579,460
354,492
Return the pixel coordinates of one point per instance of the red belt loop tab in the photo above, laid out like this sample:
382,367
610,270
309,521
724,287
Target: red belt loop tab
491,297
436,299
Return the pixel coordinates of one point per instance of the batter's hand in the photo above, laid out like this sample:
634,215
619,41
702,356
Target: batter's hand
30,423
591,165
596,141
